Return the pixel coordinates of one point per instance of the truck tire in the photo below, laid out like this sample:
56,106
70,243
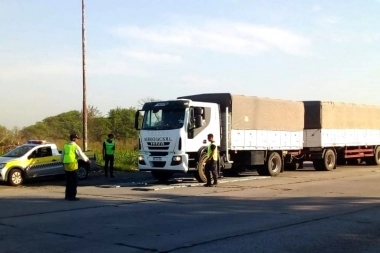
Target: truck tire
15,177
162,176
375,160
274,164
329,160
200,174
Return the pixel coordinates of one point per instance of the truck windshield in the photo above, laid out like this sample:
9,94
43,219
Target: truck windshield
19,151
163,119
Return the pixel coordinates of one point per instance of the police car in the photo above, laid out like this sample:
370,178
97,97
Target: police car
37,158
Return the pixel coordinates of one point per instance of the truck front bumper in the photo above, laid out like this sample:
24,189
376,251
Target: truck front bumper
171,162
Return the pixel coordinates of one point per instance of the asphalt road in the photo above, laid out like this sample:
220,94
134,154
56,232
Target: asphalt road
301,211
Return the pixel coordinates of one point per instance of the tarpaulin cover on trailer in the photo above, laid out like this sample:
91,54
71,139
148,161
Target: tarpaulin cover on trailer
255,113
332,115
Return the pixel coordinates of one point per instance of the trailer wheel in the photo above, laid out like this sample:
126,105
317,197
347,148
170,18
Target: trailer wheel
162,176
329,160
200,174
375,160
274,164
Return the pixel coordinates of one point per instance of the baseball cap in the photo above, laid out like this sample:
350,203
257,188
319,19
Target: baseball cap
74,136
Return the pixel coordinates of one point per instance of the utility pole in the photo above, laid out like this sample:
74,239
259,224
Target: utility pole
84,79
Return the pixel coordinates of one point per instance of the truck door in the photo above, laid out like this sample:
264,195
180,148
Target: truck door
199,122
43,163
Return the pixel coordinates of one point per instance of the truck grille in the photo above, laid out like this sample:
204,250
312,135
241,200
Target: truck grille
159,153
158,148
159,164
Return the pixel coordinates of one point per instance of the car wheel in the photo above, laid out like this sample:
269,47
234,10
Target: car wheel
15,177
82,172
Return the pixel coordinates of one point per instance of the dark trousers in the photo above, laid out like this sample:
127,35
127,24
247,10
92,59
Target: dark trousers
211,169
71,184
109,159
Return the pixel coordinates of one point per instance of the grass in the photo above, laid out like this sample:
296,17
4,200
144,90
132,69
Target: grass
125,160
125,154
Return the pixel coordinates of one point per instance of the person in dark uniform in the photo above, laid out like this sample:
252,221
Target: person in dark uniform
211,162
109,154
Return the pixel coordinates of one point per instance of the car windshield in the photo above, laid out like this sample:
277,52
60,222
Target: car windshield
19,151
163,119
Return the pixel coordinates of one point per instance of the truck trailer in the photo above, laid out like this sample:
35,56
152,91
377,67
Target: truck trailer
251,133
340,134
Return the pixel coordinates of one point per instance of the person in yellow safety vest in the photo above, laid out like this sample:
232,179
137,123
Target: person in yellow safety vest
211,162
70,154
109,154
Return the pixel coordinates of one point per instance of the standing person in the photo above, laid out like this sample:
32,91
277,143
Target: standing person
211,162
70,154
109,154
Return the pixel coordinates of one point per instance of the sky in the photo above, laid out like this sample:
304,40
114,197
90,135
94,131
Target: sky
295,49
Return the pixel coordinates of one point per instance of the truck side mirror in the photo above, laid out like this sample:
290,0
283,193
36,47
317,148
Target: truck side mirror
198,121
138,116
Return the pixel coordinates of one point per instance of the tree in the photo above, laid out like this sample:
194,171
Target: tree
142,101
4,134
36,131
61,125
122,122
98,128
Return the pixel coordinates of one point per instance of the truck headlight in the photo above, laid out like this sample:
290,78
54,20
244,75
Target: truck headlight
2,165
177,158
141,158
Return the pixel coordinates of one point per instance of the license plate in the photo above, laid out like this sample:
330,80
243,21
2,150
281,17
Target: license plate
157,158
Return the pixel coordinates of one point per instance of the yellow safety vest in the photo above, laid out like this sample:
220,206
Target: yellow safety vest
70,162
110,147
209,152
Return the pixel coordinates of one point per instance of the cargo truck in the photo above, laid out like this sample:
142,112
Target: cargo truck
267,135
251,132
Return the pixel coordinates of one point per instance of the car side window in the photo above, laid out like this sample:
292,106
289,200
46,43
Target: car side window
44,152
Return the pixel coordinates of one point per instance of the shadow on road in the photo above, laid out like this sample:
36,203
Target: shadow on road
164,222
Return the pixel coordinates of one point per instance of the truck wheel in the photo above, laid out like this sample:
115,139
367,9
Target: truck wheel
274,164
162,176
200,174
82,172
329,161
15,177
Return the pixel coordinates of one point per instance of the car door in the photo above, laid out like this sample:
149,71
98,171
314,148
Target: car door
43,163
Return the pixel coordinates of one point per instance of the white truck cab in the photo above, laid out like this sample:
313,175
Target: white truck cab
173,135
